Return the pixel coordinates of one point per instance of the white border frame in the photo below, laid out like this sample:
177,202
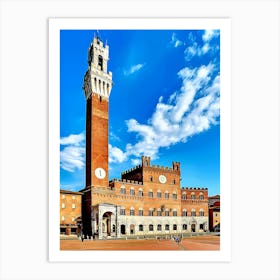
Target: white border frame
55,25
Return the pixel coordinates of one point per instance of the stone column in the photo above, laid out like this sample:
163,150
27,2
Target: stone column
100,220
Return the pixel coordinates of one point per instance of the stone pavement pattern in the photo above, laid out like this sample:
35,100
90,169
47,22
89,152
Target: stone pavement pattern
193,243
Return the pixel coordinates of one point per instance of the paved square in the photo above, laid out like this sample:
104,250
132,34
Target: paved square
208,243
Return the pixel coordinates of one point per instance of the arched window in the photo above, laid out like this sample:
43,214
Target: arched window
159,227
158,194
100,62
132,191
122,210
166,212
201,212
95,84
174,212
140,227
158,212
151,228
193,213
184,213
150,194
166,227
151,212
174,195
174,227
140,212
122,229
122,190
192,196
201,196
184,227
173,181
140,192
166,195
151,179
184,196
132,212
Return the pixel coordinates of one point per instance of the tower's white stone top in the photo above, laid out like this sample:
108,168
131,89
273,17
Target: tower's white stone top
97,79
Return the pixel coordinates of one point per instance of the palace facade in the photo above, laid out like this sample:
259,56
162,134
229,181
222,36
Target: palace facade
147,199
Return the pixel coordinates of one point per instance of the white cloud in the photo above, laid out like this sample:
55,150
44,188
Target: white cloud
135,161
191,110
116,155
194,49
210,34
174,41
133,69
72,139
72,156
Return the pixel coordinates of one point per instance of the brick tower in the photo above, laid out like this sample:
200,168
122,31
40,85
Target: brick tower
97,87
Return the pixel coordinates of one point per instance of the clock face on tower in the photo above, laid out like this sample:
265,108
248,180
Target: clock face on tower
162,179
100,173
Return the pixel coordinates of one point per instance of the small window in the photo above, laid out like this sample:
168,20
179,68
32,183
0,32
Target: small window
151,228
100,62
174,195
174,212
193,213
159,227
184,196
174,227
166,195
150,194
184,213
122,211
140,212
122,190
192,196
63,196
140,227
173,181
140,193
201,226
201,196
73,197
132,212
132,192
73,206
62,218
158,194
63,205
184,227
166,227
151,179
158,212
201,213
151,212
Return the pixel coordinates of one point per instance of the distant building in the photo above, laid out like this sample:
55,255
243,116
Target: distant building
214,213
70,212
213,199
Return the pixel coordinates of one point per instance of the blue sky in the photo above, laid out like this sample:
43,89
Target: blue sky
164,103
